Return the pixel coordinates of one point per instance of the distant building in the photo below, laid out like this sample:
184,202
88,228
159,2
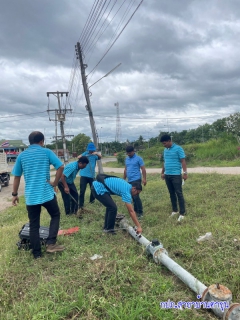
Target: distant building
60,153
12,148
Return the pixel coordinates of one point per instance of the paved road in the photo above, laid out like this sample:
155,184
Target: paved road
5,195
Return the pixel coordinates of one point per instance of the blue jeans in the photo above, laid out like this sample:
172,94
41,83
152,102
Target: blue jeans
34,212
174,184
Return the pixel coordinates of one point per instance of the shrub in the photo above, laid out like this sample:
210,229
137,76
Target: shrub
121,158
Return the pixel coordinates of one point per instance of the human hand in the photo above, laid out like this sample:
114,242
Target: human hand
163,176
185,176
15,200
144,182
138,230
66,190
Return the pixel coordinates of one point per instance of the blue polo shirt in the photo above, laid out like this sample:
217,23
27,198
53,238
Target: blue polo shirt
34,163
172,159
70,171
118,187
133,165
89,170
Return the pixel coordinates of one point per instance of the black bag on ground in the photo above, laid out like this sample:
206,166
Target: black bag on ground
102,176
24,236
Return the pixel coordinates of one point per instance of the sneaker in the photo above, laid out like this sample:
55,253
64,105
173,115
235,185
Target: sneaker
180,218
173,213
51,248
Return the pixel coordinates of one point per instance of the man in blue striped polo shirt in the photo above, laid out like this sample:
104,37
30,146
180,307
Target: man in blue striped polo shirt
174,162
67,187
88,174
121,188
133,167
34,163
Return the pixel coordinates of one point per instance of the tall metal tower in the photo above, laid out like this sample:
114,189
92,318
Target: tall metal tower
118,124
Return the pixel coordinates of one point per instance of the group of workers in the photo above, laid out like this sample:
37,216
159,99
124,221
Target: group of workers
34,163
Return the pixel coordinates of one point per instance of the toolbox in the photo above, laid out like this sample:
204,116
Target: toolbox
24,236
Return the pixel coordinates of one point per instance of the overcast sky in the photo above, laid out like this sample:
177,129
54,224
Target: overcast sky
180,66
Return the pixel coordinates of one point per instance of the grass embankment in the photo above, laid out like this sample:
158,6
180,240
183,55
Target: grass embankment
125,284
222,152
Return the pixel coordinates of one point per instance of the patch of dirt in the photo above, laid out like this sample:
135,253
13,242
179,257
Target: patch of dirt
6,194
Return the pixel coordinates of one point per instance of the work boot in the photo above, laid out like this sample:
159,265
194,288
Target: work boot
51,248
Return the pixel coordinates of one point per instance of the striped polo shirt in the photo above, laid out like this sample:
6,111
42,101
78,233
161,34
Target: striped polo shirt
34,163
133,165
89,170
118,187
172,159
70,171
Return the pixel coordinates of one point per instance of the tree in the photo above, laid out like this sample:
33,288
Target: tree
80,143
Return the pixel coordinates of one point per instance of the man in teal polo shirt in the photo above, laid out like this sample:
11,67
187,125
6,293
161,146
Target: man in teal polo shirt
119,187
34,163
67,187
174,162
133,167
88,174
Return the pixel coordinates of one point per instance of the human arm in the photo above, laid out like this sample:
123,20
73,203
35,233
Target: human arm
125,173
163,172
144,175
65,185
57,176
16,183
97,154
133,217
184,166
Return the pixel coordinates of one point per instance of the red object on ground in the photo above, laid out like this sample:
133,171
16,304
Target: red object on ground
66,232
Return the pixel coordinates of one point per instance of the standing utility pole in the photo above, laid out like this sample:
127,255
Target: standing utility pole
88,106
118,124
60,115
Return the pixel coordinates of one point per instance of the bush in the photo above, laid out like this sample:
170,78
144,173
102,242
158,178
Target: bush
121,158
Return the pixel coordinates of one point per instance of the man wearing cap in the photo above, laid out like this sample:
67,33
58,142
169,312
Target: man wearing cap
88,174
67,187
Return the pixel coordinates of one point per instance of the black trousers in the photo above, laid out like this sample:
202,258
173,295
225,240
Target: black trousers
138,208
174,184
71,206
34,212
111,209
84,181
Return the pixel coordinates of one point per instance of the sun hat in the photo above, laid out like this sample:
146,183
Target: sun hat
91,147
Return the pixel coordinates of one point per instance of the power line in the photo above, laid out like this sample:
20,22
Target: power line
91,45
94,27
24,114
92,22
116,37
87,22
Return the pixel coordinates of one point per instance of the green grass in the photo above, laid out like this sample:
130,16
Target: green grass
125,283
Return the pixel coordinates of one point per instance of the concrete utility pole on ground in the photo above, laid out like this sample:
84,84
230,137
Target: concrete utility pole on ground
60,116
88,106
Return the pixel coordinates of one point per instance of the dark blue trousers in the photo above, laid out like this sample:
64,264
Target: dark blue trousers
174,184
34,212
111,209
